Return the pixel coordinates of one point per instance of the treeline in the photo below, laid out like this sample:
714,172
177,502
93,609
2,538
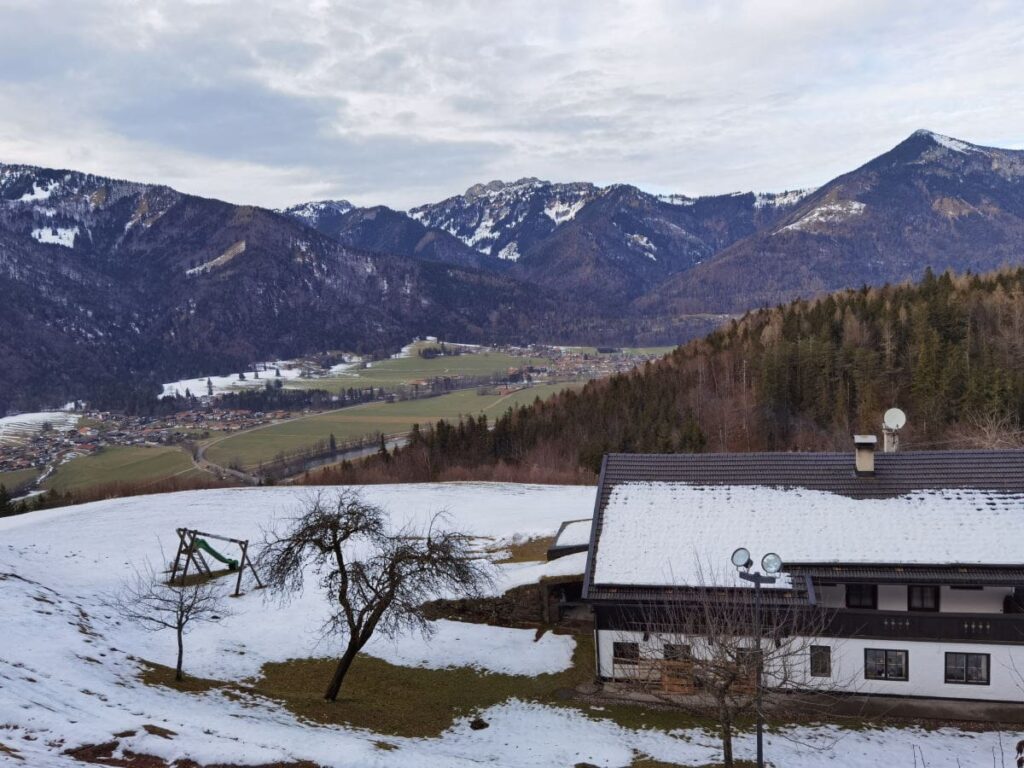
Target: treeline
804,376
54,498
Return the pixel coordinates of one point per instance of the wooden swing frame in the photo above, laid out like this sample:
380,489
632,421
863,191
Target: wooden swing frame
189,554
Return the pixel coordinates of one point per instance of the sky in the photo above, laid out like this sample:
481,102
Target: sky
403,103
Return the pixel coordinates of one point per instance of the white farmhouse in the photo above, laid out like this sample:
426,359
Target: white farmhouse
915,559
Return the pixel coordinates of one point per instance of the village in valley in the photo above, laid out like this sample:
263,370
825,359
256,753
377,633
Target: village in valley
195,411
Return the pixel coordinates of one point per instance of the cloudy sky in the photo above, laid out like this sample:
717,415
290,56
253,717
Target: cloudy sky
408,102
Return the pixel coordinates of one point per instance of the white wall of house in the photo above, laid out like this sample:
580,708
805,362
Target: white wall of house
925,665
893,597
987,600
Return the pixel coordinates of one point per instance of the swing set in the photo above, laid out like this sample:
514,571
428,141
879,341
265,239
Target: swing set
192,544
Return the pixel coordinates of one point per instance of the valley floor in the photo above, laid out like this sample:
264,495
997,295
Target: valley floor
73,674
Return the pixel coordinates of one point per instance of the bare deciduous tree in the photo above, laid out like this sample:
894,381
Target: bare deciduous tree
156,605
376,578
993,430
702,653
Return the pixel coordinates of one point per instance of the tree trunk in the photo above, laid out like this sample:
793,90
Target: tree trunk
340,671
726,743
181,655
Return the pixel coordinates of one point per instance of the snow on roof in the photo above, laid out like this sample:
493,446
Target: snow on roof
682,534
576,533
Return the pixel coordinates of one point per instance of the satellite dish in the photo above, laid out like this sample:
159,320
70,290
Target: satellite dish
894,419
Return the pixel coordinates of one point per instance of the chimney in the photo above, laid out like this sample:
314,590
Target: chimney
865,454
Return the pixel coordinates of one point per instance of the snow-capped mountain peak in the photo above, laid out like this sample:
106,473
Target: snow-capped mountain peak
494,217
956,145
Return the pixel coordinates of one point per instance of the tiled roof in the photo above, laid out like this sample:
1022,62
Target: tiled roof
909,574
896,474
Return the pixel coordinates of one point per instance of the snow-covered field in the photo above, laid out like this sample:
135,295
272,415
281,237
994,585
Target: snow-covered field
68,666
221,384
15,429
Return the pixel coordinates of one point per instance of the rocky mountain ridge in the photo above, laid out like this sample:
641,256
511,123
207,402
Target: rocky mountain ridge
111,286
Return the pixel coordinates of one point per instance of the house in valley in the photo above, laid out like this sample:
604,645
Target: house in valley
913,561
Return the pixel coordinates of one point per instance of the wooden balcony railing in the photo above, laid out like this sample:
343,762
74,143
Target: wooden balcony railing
905,625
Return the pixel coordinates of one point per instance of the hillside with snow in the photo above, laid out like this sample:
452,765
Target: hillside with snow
70,667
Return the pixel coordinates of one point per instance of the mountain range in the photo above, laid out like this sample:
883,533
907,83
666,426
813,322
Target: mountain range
110,287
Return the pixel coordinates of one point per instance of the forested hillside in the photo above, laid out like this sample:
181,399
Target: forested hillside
804,376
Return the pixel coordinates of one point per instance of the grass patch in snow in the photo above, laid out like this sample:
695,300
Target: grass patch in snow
195,577
417,702
10,752
399,701
531,550
158,674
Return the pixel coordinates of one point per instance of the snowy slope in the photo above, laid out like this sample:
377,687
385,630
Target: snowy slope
16,429
68,667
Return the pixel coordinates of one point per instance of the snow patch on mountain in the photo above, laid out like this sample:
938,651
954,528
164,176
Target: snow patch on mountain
483,237
63,236
827,213
38,193
560,211
777,199
644,243
949,142
510,252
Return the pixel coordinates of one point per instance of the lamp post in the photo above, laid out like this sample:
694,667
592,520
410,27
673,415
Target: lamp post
772,564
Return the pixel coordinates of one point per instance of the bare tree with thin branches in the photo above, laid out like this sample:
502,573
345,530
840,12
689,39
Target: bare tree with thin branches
702,653
375,577
992,430
155,605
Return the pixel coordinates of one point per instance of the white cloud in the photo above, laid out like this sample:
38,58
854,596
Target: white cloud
404,102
